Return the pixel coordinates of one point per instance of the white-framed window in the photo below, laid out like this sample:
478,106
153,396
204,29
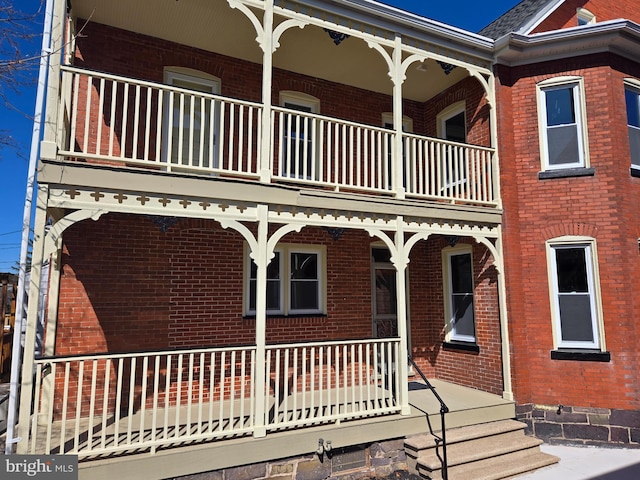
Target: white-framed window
452,126
632,98
575,293
191,125
562,122
585,17
458,286
295,281
298,137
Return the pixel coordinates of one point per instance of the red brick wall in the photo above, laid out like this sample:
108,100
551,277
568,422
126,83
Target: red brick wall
603,206
566,17
481,370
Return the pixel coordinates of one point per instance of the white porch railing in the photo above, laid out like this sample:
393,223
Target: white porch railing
118,119
94,405
321,382
107,118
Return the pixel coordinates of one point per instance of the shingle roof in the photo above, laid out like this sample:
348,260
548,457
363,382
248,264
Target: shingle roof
514,18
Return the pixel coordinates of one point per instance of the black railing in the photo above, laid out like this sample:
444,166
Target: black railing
442,439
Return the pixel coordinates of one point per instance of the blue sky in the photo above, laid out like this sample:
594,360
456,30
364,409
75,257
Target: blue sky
467,14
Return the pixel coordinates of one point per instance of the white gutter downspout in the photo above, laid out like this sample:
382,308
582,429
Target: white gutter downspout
16,354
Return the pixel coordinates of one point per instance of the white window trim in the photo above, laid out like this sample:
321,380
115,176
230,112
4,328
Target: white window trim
285,250
407,122
632,84
585,17
449,112
581,119
193,76
299,98
593,279
447,253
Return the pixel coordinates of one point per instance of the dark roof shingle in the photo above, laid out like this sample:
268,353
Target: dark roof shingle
514,18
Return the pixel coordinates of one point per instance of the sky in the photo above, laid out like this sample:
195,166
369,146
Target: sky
470,15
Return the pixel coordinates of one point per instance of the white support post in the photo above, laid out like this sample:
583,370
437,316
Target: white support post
53,84
507,393
400,264
267,74
261,258
398,78
26,390
493,126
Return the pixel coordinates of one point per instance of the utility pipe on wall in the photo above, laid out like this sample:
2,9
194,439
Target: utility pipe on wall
16,355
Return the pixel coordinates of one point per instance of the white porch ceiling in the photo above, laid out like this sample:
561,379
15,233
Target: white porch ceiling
212,25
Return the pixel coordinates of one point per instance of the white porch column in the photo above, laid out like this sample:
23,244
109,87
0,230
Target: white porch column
267,75
261,258
507,393
397,78
400,261
28,356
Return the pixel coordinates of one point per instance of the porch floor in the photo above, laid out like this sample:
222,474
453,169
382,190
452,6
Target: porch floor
467,407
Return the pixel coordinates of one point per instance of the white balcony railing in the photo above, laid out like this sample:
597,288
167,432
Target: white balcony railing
106,118
115,403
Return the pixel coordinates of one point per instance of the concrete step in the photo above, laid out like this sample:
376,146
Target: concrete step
496,468
487,451
417,443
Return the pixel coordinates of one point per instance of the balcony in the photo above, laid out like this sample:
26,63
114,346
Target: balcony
118,121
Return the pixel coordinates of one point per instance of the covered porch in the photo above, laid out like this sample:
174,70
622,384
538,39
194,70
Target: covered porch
181,439
94,400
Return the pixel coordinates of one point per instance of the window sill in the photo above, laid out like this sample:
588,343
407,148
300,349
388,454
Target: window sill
461,346
635,172
288,317
581,355
567,172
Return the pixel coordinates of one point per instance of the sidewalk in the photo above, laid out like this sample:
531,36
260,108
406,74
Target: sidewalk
588,463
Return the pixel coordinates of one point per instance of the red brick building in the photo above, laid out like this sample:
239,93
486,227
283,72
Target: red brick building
568,137
258,214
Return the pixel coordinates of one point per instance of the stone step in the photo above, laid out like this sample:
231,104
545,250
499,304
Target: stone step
488,451
461,453
417,443
496,468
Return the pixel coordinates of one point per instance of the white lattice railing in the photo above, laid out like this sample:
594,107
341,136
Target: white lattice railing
112,119
104,404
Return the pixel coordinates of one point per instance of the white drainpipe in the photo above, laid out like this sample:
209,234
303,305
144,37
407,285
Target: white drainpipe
16,355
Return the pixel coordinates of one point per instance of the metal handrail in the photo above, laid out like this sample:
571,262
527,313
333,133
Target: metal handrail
443,410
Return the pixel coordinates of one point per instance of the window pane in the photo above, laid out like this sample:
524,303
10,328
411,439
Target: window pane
463,315
575,318
455,129
273,295
461,278
386,303
633,114
381,255
560,107
634,143
572,270
563,145
273,285
304,295
273,269
304,281
304,266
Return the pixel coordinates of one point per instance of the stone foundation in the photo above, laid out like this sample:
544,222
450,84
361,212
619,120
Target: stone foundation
372,460
560,424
